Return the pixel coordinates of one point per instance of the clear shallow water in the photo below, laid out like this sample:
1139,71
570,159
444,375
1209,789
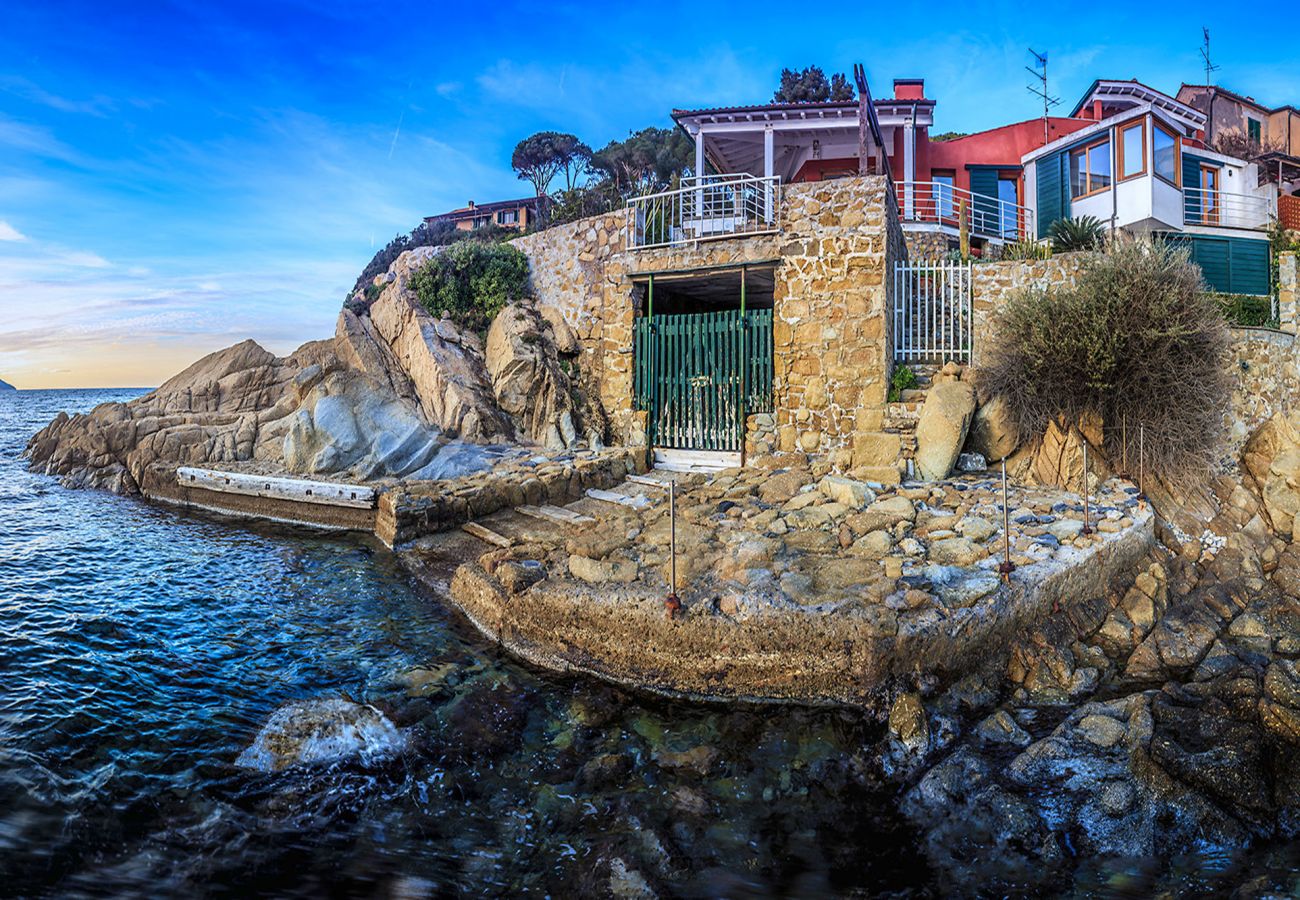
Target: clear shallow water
142,648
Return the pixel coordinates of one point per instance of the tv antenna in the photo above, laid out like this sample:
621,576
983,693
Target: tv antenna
1039,71
1205,55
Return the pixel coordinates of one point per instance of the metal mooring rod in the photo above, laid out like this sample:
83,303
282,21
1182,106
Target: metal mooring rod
1142,459
1006,567
671,603
1087,525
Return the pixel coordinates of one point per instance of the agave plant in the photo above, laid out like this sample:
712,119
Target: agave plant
1083,233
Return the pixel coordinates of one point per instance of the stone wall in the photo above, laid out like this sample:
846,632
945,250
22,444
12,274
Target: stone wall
413,509
1287,290
923,246
1266,366
830,329
836,244
994,283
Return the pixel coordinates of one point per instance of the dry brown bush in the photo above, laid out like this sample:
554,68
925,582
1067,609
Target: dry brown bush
1136,340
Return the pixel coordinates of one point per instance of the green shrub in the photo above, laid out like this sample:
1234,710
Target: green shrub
1247,311
1136,340
471,282
1083,233
1027,249
904,379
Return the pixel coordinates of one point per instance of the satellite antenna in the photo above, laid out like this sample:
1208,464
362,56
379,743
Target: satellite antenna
1039,71
1205,55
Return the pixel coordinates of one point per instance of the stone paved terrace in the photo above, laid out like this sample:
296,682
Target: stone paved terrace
794,586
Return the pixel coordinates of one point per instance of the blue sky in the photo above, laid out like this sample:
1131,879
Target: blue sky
175,177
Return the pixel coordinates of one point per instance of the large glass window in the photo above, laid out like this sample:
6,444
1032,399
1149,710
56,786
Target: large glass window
1008,209
1090,169
1164,147
1132,150
943,199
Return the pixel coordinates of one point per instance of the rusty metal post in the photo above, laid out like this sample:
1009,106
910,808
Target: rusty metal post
1087,525
1123,438
1006,567
671,603
1142,471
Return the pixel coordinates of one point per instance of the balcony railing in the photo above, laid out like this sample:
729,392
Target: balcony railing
935,203
1224,210
704,208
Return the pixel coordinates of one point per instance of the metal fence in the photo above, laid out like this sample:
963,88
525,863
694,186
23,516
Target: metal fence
1225,210
937,203
932,311
705,207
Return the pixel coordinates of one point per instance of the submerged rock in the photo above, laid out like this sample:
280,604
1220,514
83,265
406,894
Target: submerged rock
317,731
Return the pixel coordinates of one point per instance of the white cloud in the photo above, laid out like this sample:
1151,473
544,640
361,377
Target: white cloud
10,233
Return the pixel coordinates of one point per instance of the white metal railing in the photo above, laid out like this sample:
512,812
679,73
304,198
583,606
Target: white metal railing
1219,208
705,207
936,203
932,311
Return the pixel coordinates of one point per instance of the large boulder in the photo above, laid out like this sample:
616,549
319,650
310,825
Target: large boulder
1272,458
992,434
528,380
941,430
319,731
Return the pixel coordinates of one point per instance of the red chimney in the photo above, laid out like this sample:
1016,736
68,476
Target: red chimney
909,88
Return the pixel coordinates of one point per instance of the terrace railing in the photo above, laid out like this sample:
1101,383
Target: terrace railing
935,203
704,208
1225,210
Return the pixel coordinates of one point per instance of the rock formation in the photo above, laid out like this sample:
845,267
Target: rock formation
6,386
395,393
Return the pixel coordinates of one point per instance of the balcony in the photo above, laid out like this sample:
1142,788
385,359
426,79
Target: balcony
1219,209
705,208
935,203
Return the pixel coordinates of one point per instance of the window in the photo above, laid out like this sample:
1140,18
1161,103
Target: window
1008,209
508,217
482,221
1209,195
1090,169
1133,150
943,198
1253,129
1165,154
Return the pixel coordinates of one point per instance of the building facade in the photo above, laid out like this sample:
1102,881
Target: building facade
516,214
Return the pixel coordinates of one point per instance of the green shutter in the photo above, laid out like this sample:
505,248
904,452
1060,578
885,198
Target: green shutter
1249,273
1229,265
984,185
1253,129
1052,190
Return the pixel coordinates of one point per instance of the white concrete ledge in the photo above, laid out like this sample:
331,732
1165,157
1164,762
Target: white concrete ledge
328,493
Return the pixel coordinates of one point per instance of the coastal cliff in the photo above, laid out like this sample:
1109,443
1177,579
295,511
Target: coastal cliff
386,397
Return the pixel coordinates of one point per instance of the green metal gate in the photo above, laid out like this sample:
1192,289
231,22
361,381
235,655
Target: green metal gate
699,375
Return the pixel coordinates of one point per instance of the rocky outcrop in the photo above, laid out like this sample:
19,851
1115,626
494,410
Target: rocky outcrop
396,337
529,382
395,394
941,430
321,731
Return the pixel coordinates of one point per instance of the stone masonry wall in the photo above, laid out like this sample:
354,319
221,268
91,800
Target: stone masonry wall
923,246
1288,290
836,242
830,326
994,283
